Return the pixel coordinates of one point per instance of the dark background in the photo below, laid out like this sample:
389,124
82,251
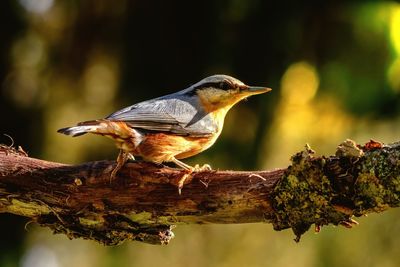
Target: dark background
335,74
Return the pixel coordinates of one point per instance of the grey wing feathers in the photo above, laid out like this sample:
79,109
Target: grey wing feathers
178,116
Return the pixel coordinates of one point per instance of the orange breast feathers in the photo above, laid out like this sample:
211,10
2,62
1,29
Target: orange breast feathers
156,147
161,147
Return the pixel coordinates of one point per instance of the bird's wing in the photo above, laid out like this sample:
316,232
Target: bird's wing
175,115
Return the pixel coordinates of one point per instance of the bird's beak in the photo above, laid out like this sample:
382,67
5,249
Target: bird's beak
255,90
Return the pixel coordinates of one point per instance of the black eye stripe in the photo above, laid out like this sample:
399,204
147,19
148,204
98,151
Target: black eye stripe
224,85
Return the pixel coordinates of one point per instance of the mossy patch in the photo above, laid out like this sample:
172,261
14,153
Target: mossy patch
28,209
321,191
378,184
303,196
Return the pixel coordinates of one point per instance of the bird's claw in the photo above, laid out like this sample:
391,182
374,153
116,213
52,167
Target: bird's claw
188,175
182,181
205,167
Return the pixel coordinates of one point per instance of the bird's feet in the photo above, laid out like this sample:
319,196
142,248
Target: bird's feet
205,167
186,178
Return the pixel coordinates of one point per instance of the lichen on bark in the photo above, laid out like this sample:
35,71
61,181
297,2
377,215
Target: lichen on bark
331,190
304,196
378,184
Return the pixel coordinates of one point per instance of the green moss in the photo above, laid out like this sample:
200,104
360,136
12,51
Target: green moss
142,217
303,196
361,180
28,209
91,222
378,184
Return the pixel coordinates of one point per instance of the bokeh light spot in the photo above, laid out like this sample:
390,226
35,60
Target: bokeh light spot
395,28
40,256
299,83
100,83
37,6
29,51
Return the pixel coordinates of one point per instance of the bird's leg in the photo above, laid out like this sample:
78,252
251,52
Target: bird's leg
183,165
196,168
121,159
189,170
131,157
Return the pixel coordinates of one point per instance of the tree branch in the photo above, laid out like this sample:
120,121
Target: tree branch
143,203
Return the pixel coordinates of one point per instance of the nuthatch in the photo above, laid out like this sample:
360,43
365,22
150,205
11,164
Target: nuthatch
171,127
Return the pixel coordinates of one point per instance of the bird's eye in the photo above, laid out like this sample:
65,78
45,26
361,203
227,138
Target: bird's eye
224,85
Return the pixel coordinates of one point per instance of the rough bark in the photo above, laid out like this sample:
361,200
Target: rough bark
143,203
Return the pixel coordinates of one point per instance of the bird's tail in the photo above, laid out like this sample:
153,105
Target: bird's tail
82,128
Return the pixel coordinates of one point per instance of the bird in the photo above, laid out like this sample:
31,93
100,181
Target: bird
171,127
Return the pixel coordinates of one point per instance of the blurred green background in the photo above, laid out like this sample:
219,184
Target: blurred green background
334,68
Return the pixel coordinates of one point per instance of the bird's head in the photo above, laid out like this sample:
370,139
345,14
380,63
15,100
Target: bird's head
223,91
